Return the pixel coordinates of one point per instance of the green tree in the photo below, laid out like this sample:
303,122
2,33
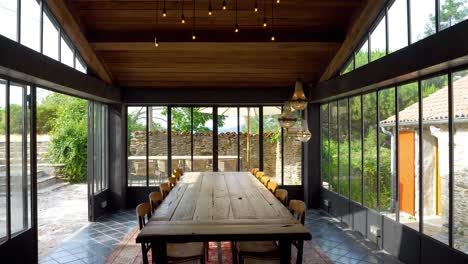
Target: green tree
69,136
451,12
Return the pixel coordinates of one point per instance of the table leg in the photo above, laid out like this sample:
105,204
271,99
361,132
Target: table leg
285,249
158,253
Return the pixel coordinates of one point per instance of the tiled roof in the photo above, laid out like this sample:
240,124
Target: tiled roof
436,105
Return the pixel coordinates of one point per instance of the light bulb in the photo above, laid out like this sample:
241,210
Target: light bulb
272,38
224,4
210,10
256,7
277,1
156,44
236,28
193,36
183,19
209,13
264,22
164,12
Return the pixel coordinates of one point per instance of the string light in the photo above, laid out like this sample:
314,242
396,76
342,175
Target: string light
236,27
183,17
194,22
256,6
224,4
210,9
277,1
264,14
273,20
164,9
156,44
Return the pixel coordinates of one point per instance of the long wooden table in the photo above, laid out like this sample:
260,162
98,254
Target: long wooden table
221,206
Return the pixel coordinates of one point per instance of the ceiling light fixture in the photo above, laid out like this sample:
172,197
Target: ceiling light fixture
272,21
298,100
224,4
210,9
277,1
256,6
156,44
264,14
164,9
183,17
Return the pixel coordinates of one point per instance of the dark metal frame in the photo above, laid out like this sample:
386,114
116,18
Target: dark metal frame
418,80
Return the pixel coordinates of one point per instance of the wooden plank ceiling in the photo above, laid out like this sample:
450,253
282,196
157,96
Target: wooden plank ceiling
308,35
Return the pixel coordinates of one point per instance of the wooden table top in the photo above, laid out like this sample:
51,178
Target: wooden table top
221,206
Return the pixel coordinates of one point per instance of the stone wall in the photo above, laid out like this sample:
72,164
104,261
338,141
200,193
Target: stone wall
227,146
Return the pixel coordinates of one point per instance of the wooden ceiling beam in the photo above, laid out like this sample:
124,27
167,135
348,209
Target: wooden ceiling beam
363,20
66,18
204,35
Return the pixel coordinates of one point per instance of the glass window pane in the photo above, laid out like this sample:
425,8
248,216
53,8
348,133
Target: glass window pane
460,166
136,127
422,19
356,149
249,144
105,147
370,150
324,118
50,38
452,12
348,67
333,146
387,171
157,127
362,54
3,198
272,143
202,139
292,161
181,133
66,52
397,26
80,65
408,154
343,146
435,157
97,141
18,168
227,138
30,23
8,11
378,41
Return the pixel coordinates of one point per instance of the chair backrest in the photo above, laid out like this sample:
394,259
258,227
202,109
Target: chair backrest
172,182
142,210
259,174
254,171
298,208
282,196
272,186
178,172
155,199
265,180
164,188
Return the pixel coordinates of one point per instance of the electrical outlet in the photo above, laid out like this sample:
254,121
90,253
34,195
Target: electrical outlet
375,234
326,203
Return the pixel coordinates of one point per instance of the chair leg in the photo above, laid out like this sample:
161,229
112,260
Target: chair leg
300,249
144,254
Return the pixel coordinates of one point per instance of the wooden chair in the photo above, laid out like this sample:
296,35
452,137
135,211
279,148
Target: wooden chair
282,196
177,172
165,188
254,171
155,199
272,186
142,210
298,209
176,252
259,174
172,182
265,180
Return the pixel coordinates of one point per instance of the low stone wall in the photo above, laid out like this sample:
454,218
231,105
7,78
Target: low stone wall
227,146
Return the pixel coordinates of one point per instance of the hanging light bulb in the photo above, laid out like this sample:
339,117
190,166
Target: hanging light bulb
156,44
164,13
277,1
287,118
194,37
224,4
183,19
298,100
264,22
256,7
272,38
236,28
210,9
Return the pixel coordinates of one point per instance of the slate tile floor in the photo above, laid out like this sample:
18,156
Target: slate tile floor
341,244
95,243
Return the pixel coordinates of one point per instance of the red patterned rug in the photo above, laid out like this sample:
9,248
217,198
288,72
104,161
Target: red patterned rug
218,253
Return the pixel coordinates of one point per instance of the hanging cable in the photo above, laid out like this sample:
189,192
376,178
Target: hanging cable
156,44
264,14
236,27
194,21
272,20
164,9
183,17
